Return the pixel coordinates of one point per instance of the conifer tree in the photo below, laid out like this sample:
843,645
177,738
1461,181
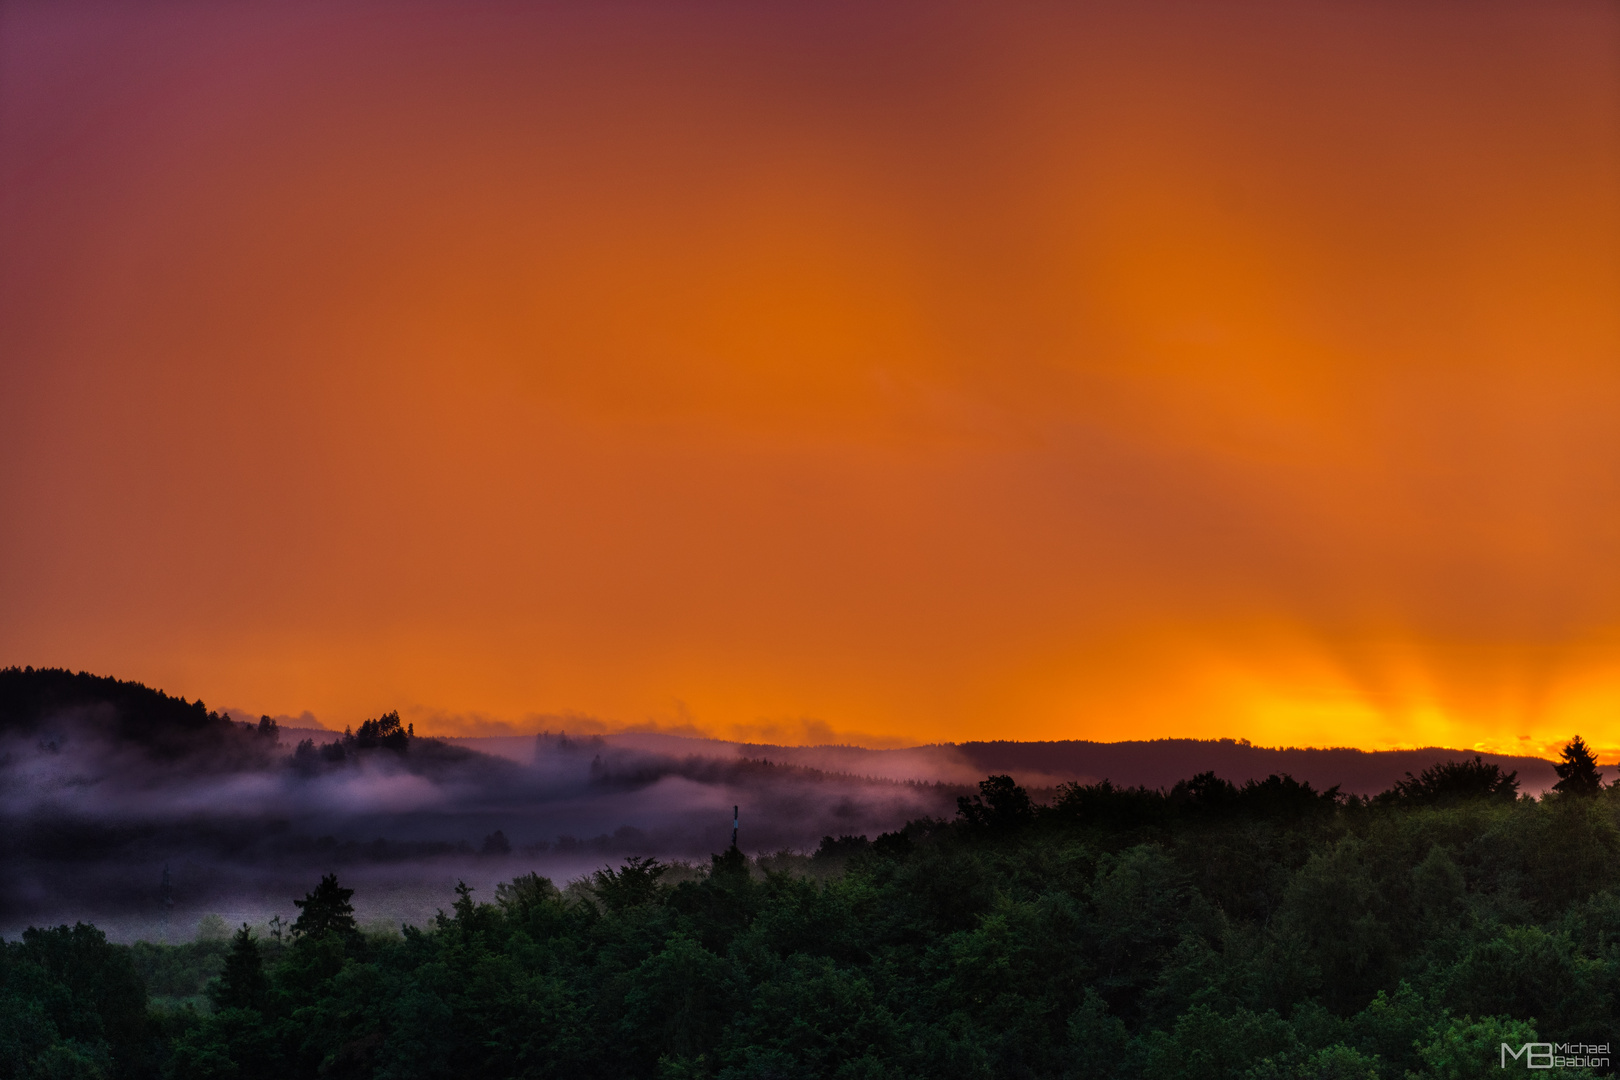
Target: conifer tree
1578,772
326,910
242,985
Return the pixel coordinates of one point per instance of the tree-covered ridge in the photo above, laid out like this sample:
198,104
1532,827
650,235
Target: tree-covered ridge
1251,932
36,701
55,704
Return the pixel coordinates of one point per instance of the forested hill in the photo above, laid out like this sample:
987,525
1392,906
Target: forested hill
54,702
1151,763
132,732
1213,932
36,701
1161,762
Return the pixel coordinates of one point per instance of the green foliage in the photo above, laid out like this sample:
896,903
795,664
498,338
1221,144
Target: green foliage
678,1000
1465,1049
175,972
635,883
212,928
1339,1062
243,984
1097,1042
71,1005
1391,1028
526,893
1204,1045
1261,932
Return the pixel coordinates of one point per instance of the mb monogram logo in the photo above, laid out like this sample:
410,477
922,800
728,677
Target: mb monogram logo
1546,1055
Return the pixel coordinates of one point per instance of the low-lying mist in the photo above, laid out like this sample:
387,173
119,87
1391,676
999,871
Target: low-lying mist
106,786
243,819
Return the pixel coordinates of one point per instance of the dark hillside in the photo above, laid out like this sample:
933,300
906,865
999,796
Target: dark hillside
1156,763
1151,763
54,703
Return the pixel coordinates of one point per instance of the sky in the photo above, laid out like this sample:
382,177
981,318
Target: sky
822,373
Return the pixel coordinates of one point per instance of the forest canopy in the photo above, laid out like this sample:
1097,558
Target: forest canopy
1254,932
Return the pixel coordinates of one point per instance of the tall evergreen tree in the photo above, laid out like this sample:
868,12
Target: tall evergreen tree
1578,772
242,985
326,910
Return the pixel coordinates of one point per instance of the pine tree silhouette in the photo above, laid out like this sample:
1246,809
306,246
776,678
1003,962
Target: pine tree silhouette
242,985
326,910
1578,773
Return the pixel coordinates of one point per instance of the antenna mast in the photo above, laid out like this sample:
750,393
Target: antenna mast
166,897
734,820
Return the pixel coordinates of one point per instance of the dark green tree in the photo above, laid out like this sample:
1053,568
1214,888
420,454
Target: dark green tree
1578,772
325,911
1282,797
1447,782
242,985
1205,793
679,999
385,731
1000,804
636,883
729,863
80,989
525,892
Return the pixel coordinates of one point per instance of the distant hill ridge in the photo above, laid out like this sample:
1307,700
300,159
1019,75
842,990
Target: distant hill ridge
1151,763
1161,762
34,700
31,700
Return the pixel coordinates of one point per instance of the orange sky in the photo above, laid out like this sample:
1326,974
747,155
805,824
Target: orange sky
811,372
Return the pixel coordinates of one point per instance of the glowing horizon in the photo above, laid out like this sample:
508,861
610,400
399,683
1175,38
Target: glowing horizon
916,375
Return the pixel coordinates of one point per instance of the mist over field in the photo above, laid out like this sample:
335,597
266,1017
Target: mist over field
104,785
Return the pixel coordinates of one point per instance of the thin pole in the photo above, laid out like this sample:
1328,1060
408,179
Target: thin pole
734,820
167,897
